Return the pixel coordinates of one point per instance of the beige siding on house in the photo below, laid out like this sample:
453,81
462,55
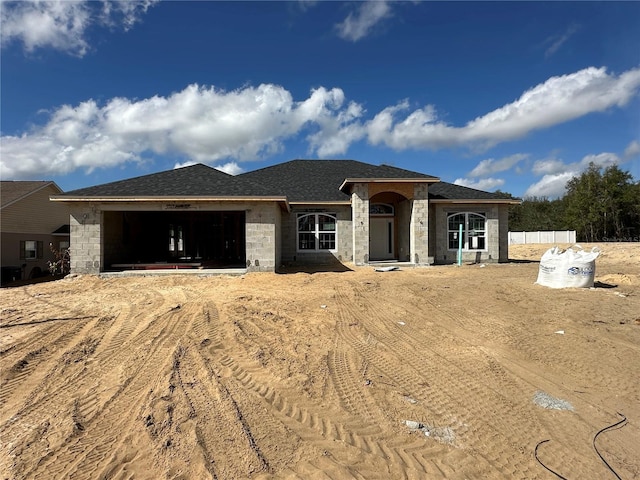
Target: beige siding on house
35,214
31,218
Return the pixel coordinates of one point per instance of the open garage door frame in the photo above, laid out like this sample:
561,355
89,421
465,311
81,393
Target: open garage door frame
175,239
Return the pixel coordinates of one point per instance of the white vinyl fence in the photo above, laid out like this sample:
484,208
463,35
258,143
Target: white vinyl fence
558,236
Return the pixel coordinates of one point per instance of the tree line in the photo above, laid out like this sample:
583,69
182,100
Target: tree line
601,205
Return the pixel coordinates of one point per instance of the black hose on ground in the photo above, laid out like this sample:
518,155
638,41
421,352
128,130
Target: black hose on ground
619,424
622,423
535,454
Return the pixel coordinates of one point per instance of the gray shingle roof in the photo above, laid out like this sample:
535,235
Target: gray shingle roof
320,180
450,191
299,180
196,180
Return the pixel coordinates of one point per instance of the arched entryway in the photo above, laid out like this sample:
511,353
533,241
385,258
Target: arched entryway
389,217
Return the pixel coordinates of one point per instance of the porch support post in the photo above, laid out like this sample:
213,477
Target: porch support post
419,229
360,219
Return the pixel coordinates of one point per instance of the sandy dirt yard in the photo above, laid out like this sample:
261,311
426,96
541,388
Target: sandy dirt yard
315,375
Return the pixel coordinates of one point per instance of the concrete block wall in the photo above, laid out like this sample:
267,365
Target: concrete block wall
360,219
344,250
262,237
503,233
86,234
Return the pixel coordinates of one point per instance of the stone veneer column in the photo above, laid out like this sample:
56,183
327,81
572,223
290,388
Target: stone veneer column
419,230
360,220
85,240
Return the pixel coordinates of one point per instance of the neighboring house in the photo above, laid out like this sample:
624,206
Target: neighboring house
29,222
298,212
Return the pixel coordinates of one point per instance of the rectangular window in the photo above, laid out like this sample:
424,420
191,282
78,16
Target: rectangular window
316,231
30,249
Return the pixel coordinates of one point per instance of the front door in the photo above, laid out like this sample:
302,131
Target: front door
381,238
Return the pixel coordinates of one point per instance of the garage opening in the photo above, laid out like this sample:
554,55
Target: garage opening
153,240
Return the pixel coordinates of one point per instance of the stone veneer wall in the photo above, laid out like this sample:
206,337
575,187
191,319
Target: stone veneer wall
493,232
85,239
419,230
360,216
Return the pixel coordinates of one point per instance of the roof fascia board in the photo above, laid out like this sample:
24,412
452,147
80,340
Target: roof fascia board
485,200
348,181
155,199
61,198
327,202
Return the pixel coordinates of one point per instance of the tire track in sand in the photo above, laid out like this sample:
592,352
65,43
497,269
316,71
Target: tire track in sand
341,436
24,364
347,370
86,453
213,404
503,374
432,375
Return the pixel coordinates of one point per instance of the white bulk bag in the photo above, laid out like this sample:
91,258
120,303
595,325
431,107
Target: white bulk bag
568,268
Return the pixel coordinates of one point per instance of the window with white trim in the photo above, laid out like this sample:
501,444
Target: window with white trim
30,249
473,230
316,232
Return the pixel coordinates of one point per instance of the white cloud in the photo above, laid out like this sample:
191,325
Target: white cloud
188,163
552,185
125,12
357,26
548,166
203,124
557,100
337,132
61,24
603,160
232,168
556,173
491,166
559,40
307,4
632,150
482,184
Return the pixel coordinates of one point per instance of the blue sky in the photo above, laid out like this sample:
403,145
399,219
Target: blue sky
515,96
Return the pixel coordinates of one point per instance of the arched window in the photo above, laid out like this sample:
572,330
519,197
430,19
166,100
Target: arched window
473,230
380,209
316,231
